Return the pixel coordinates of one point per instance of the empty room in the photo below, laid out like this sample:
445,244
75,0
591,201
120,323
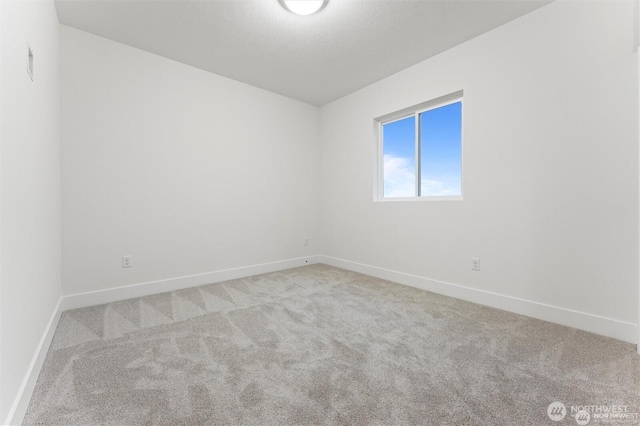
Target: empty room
306,212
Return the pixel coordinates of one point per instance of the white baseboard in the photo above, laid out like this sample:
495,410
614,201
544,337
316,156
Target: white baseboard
21,403
110,295
609,327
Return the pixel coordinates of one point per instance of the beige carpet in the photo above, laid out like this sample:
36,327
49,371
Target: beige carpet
320,345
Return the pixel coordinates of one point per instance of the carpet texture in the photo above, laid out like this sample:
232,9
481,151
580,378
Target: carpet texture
321,345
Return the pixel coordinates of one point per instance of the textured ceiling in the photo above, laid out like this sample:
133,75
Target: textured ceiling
316,59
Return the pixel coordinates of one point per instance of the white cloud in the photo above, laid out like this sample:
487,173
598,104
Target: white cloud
399,177
399,180
446,185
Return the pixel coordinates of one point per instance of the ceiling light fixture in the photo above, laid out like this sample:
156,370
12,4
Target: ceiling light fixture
303,7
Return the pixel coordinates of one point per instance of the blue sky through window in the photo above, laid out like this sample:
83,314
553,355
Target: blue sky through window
399,145
441,151
440,154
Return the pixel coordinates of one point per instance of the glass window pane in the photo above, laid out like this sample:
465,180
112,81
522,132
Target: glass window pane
399,151
441,151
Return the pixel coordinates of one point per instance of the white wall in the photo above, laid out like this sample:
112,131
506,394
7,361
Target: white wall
192,173
550,167
30,214
186,171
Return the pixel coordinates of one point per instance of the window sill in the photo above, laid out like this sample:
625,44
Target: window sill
420,199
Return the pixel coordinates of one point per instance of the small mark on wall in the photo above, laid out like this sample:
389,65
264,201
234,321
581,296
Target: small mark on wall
30,63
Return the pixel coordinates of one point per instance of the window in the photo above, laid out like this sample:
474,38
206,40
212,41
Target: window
420,151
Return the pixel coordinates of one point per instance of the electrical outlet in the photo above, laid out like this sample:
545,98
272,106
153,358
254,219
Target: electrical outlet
475,263
126,261
306,241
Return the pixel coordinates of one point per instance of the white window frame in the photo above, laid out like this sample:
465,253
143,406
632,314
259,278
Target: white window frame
415,111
